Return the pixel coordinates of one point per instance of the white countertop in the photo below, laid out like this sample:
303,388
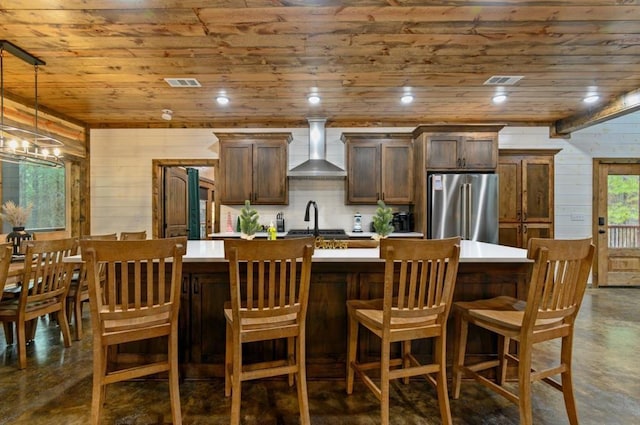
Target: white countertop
470,252
364,235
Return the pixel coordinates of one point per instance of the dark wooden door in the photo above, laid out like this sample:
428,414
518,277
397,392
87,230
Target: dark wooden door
176,201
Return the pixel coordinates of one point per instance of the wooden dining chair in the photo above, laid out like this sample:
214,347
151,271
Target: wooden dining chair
130,236
79,289
6,251
556,287
44,285
52,235
269,283
141,301
419,279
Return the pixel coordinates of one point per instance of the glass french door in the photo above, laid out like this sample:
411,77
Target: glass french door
618,224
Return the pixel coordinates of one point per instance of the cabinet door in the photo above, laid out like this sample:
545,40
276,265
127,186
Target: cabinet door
363,171
397,173
270,173
535,230
236,162
509,177
510,234
209,291
442,152
537,192
479,152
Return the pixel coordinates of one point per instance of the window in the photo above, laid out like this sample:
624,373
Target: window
623,211
39,185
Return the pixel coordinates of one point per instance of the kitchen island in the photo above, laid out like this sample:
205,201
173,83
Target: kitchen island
485,270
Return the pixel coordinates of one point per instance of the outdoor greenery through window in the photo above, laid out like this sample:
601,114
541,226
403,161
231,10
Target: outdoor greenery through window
623,211
39,185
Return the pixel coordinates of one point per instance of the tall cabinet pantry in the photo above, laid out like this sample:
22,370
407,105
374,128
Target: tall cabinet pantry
526,208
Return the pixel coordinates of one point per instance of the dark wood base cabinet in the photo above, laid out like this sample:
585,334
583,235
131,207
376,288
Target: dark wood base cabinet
206,288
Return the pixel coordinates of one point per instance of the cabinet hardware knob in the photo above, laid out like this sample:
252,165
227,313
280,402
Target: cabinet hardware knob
524,229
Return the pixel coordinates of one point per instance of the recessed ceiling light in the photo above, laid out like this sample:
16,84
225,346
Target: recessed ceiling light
591,98
499,98
167,114
222,100
406,98
314,99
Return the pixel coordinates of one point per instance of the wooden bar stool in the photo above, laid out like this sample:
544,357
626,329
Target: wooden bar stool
79,289
130,236
269,294
419,279
556,287
141,301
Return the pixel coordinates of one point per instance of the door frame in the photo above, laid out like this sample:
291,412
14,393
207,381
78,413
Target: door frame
597,204
157,191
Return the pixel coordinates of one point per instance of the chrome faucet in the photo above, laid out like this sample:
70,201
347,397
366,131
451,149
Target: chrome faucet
316,233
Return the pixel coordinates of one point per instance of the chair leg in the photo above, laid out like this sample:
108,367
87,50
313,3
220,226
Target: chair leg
21,333
303,398
291,357
228,361
8,332
174,386
441,379
459,351
385,360
236,382
352,348
77,319
406,363
99,371
503,351
64,326
567,380
524,384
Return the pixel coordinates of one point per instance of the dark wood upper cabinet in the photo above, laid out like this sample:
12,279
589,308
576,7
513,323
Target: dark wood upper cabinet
253,166
466,148
379,166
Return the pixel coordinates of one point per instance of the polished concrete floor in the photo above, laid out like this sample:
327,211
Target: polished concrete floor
56,386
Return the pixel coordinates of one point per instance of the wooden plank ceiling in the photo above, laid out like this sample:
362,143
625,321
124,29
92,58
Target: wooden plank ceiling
106,61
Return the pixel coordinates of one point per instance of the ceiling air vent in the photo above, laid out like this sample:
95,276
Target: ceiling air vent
183,82
503,80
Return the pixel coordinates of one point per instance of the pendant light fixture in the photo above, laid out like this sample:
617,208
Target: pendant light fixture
20,144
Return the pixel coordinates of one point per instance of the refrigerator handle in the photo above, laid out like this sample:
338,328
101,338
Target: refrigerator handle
465,213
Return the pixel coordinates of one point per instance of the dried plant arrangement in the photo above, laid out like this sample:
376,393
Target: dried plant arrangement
16,215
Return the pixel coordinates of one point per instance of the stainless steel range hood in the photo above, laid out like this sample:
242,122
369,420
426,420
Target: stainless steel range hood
317,165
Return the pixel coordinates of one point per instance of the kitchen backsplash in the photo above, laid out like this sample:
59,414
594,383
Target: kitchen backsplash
330,198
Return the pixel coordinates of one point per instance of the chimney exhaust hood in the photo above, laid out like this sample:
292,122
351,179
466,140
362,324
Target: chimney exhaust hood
317,166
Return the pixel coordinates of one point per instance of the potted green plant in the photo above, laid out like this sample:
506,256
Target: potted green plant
382,221
17,216
248,221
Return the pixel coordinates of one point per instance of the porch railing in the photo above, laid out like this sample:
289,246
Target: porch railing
624,236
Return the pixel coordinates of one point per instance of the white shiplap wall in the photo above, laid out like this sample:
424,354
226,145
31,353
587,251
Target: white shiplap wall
121,172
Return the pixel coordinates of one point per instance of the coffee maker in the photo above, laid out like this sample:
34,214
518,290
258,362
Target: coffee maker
402,222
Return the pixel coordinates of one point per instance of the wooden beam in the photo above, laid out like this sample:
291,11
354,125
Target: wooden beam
625,104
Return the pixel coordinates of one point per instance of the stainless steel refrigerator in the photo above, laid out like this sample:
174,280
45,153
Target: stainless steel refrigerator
464,205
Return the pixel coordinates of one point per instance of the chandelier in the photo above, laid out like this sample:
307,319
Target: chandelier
20,144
